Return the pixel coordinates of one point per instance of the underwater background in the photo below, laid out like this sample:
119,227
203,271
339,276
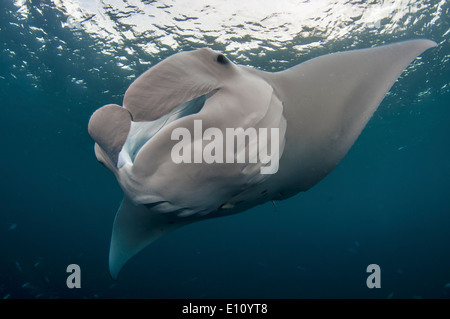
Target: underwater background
386,203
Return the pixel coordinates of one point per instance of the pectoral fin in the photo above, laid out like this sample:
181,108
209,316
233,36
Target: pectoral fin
135,227
328,101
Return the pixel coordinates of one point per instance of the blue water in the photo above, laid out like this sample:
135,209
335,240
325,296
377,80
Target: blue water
386,203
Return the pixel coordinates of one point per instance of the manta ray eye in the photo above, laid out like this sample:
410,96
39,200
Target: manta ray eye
222,59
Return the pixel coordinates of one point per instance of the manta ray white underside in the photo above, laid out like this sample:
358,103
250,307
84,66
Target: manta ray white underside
319,108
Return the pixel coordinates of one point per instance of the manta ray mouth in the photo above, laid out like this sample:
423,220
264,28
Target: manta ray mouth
142,132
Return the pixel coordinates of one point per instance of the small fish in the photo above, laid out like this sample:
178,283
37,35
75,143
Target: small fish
400,148
262,264
189,281
12,226
275,206
7,296
46,279
18,266
26,284
447,289
390,295
112,286
36,263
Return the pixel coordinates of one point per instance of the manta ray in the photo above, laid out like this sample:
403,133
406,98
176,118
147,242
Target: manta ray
318,107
